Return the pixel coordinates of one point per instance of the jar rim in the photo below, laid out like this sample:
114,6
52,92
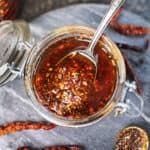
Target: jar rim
41,46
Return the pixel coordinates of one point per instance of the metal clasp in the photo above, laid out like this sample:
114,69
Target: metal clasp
126,104
17,66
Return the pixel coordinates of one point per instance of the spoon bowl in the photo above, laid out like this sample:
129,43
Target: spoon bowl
85,53
89,52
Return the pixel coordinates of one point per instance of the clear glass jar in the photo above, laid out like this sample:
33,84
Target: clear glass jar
33,55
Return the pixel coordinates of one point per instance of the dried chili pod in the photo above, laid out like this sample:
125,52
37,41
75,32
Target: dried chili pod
64,147
19,126
129,68
116,16
132,74
132,138
23,148
134,48
127,29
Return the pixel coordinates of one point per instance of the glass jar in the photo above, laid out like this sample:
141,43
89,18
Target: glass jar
27,58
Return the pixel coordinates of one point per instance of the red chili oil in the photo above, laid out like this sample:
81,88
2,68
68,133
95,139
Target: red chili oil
69,88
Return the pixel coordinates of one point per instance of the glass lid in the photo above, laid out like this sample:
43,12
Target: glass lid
13,35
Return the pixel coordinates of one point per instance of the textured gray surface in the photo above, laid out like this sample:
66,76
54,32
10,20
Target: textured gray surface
141,7
100,136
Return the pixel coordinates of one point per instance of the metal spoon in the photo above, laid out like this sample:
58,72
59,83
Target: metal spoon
89,52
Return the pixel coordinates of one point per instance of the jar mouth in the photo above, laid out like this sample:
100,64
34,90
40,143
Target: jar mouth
35,57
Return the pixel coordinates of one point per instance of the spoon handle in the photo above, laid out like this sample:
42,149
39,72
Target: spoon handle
114,6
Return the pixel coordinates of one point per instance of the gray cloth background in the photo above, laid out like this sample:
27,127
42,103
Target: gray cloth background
100,136
33,8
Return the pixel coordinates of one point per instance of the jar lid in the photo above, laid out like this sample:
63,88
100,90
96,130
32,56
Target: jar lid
12,33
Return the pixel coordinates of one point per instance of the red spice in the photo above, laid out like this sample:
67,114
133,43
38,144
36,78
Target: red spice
132,74
130,30
134,48
69,91
116,16
127,29
19,126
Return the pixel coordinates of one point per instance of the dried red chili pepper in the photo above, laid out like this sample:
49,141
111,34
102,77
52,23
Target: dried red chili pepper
117,15
66,147
134,48
63,148
129,68
147,44
132,74
23,148
130,30
127,29
19,126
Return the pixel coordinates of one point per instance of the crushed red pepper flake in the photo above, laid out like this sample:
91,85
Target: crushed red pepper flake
127,29
20,126
68,89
